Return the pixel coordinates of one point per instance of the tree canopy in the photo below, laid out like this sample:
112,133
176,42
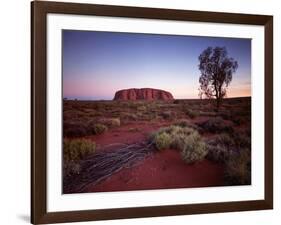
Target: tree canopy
216,73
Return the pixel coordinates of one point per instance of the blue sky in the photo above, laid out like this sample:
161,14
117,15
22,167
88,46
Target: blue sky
97,64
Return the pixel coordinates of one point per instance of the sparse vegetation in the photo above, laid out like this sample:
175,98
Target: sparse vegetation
134,129
192,128
220,148
110,122
74,150
77,149
162,141
195,149
192,113
234,152
99,128
216,125
168,115
238,168
129,116
181,138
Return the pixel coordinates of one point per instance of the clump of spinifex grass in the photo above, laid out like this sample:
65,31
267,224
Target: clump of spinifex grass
185,139
75,150
234,151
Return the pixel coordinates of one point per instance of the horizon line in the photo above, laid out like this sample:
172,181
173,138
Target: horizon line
79,99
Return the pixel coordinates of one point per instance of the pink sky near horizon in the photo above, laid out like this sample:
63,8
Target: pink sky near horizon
88,88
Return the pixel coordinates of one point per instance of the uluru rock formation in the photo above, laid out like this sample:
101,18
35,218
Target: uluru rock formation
143,94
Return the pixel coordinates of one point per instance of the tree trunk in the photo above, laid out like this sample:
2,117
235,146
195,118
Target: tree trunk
218,103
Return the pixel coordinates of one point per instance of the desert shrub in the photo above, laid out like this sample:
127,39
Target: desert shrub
128,116
141,108
77,149
134,129
73,114
238,168
239,120
162,141
210,114
74,129
167,115
71,168
221,148
99,128
242,140
191,113
216,125
177,101
182,123
176,133
187,123
185,139
226,115
115,122
194,149
148,116
110,122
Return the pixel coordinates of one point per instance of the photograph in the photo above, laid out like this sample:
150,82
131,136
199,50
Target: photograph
145,111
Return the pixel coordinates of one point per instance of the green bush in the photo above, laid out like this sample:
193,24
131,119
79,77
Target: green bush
194,149
77,149
74,128
225,146
115,122
221,148
129,116
110,122
208,114
134,129
192,113
162,141
242,139
184,139
99,128
216,125
187,123
141,108
238,168
167,115
71,168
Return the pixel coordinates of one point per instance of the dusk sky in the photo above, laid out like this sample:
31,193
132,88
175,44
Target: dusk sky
97,64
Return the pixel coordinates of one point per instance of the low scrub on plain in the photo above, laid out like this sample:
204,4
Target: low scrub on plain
216,125
238,168
221,148
75,128
162,141
192,113
110,122
99,128
128,116
195,149
185,139
224,146
234,152
77,149
168,115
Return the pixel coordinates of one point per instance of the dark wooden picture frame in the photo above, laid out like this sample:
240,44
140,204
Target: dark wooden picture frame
39,11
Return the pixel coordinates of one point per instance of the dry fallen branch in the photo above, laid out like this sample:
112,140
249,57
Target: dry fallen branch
103,164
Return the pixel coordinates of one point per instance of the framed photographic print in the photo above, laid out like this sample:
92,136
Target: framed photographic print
142,112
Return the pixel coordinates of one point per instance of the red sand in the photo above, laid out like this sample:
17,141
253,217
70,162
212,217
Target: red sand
163,169
126,134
